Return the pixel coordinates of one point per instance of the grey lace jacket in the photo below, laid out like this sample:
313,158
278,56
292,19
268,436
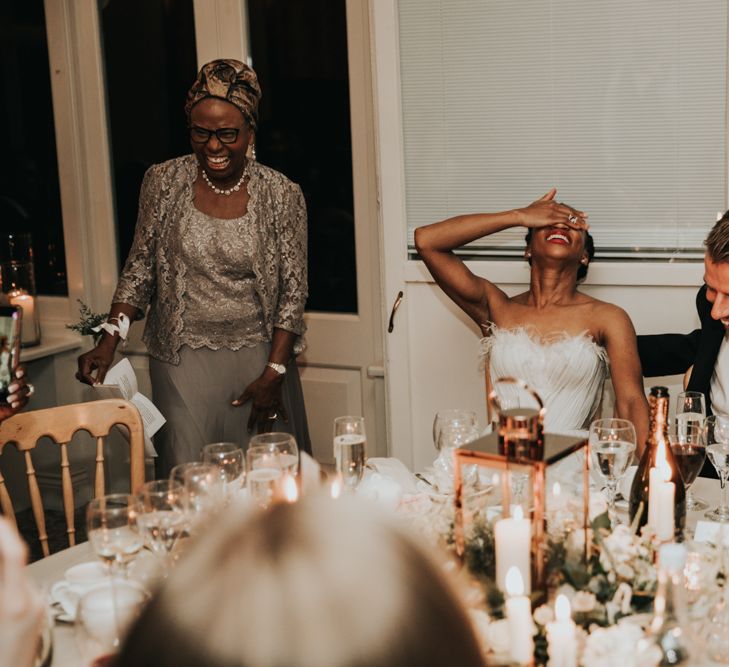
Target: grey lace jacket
154,274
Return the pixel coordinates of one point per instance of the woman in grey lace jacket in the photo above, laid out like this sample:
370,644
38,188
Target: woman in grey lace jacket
219,256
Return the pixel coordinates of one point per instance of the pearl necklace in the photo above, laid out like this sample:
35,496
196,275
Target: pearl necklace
229,191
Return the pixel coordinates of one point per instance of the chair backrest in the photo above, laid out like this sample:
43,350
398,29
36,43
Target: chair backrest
59,424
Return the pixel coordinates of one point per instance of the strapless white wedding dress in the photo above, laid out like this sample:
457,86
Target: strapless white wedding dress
566,371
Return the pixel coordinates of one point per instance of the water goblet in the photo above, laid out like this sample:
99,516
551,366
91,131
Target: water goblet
690,409
204,489
716,436
265,475
162,516
282,443
112,529
228,456
612,443
689,450
104,615
454,417
350,444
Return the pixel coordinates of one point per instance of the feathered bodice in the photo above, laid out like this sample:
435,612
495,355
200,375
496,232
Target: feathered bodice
566,371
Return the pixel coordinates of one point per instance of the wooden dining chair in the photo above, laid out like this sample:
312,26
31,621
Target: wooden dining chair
59,424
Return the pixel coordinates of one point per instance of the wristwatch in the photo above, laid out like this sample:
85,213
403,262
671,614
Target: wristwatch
279,368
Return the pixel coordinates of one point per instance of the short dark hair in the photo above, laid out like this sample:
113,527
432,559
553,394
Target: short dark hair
589,246
717,242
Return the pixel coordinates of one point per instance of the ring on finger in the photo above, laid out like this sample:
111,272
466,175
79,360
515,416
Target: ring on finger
273,417
572,218
31,389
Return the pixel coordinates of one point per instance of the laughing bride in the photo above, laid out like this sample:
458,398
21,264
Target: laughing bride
560,341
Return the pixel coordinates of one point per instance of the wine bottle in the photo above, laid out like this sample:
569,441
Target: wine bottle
639,491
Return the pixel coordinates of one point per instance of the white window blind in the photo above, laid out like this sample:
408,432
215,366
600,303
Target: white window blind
621,105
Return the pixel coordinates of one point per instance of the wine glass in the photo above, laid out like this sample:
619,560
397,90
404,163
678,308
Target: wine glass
162,515
454,417
716,435
264,474
204,488
111,525
282,443
690,409
686,440
228,456
350,442
104,615
612,443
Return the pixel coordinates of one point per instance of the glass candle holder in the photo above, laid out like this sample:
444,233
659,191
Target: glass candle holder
18,284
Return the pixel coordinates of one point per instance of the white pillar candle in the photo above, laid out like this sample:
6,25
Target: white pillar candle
513,540
661,497
561,636
519,617
27,303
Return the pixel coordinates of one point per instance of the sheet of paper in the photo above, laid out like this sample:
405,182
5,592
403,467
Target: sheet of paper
122,375
709,531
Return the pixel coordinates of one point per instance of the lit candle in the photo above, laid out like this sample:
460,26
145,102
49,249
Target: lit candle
290,490
519,617
661,497
21,298
561,636
513,539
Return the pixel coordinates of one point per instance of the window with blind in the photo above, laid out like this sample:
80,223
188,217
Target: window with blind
621,105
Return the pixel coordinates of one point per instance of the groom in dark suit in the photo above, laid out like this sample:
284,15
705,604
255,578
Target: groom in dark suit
707,348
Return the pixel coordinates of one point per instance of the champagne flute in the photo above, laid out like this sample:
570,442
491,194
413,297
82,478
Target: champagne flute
454,417
690,408
350,443
111,525
264,474
228,456
612,443
689,449
162,515
716,434
282,443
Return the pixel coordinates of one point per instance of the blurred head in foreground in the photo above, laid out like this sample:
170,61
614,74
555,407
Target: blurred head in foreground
315,584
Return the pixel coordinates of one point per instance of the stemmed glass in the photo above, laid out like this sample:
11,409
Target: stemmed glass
689,450
227,456
204,488
284,444
111,524
350,444
162,515
612,443
452,417
716,434
264,474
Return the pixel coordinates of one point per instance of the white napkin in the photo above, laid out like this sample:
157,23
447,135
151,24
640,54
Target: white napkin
380,489
395,470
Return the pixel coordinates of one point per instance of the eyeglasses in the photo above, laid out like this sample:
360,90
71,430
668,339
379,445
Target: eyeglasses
225,135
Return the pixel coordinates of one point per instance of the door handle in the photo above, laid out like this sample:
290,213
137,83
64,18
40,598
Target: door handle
395,306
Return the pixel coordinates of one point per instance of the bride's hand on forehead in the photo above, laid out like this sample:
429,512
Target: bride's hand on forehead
546,212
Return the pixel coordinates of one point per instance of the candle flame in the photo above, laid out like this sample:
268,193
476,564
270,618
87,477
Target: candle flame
336,488
662,462
562,610
514,582
518,512
290,490
556,489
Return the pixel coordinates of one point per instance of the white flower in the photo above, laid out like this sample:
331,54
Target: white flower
543,615
612,647
583,602
497,636
624,571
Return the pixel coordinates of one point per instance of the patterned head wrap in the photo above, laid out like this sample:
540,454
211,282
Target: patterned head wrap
230,80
